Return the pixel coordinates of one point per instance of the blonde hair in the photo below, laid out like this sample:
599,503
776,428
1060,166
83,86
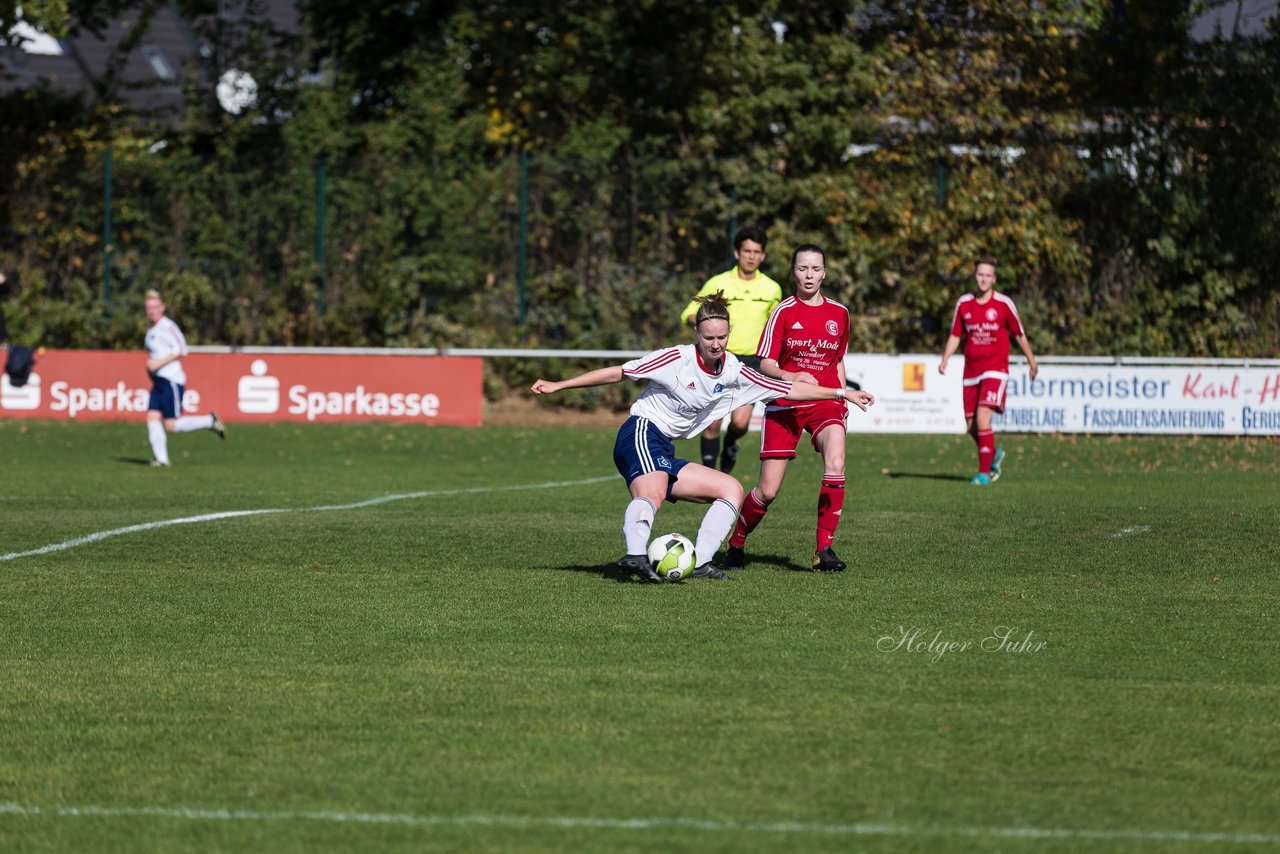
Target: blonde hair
711,307
152,294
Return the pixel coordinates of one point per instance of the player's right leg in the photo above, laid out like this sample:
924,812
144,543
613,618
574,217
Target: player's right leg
754,507
778,438
646,459
647,492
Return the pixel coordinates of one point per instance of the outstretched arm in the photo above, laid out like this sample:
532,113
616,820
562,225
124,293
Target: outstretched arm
600,376
809,391
1025,346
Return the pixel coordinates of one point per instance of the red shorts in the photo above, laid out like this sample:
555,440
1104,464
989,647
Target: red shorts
985,391
782,427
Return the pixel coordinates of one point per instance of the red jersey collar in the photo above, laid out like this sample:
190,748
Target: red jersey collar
703,365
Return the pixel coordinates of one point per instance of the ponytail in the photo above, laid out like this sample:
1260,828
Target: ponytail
711,307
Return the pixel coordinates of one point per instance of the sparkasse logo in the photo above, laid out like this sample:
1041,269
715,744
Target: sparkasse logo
361,402
24,397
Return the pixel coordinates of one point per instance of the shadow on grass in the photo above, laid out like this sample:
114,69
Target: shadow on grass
609,571
759,561
930,476
137,461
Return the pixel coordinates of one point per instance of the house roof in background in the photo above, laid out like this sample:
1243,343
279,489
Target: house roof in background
163,63
1244,19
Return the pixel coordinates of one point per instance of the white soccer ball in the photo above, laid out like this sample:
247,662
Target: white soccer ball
672,555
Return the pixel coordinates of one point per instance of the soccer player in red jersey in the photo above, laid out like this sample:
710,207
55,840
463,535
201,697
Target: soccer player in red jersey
986,320
804,341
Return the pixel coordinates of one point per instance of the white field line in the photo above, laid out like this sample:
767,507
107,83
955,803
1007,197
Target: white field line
655,823
232,514
1131,531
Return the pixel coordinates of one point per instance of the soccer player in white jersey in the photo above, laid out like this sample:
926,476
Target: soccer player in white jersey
986,320
690,386
166,345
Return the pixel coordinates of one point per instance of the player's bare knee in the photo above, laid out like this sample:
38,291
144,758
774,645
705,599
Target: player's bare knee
732,491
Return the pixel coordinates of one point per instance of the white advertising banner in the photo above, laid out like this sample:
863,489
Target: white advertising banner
1207,398
911,396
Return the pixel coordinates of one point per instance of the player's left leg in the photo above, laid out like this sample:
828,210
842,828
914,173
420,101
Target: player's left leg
986,442
830,443
724,494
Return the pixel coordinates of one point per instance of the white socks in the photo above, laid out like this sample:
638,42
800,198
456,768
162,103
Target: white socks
191,423
159,441
716,525
637,524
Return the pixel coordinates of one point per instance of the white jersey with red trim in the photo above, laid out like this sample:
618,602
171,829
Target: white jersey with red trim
684,396
165,339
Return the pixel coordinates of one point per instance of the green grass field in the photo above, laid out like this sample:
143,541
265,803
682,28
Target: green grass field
461,667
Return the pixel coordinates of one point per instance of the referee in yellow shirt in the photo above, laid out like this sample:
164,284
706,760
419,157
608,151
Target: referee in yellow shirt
751,296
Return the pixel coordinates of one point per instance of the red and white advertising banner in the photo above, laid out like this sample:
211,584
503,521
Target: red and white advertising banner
88,385
1113,397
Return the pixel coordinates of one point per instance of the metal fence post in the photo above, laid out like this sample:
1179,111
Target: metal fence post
733,220
522,248
320,195
106,230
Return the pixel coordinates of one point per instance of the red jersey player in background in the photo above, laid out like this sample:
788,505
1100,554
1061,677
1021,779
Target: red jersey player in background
804,341
986,320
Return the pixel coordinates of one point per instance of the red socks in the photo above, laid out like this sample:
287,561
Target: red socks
753,510
830,505
986,450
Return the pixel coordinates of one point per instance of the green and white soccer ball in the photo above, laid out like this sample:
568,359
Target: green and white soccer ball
672,556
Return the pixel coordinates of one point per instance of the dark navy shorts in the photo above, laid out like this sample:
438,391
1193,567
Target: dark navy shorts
166,397
642,448
752,361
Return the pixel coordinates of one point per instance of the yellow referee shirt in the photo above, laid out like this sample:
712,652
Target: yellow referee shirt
750,302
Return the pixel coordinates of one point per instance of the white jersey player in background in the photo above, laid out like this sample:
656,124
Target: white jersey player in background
690,386
166,345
